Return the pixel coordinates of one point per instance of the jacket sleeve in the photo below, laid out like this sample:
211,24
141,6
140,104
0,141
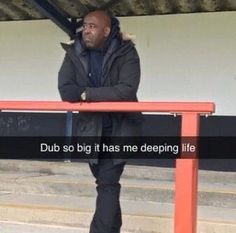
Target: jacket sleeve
125,89
68,88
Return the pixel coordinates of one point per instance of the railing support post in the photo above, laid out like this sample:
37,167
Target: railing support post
186,180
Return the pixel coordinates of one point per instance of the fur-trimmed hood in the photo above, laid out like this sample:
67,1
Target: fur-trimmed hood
126,36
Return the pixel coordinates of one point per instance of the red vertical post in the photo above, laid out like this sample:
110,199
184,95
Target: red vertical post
186,179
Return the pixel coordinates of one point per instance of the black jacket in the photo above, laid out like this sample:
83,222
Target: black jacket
119,82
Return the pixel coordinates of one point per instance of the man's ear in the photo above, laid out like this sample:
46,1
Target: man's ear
107,31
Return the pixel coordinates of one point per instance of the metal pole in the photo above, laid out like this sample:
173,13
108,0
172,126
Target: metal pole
187,178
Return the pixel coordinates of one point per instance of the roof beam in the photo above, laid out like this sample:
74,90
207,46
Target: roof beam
48,10
110,4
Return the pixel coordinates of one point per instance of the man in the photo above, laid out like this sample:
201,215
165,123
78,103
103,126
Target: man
101,66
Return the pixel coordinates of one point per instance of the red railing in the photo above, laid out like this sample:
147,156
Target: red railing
186,177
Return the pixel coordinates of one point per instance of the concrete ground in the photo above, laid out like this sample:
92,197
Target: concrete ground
15,227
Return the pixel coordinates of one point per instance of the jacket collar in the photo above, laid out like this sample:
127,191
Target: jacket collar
78,53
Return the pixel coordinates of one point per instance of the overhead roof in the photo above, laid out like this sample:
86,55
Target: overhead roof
61,10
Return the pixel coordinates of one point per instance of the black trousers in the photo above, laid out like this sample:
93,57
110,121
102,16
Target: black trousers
107,216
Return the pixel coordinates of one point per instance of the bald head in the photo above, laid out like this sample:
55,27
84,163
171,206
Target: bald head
96,28
102,16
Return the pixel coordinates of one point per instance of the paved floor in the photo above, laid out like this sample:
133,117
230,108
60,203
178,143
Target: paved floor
14,227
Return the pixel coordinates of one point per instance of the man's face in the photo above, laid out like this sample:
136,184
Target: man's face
94,32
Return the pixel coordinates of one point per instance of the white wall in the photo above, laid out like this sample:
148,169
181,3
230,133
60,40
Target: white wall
30,59
189,57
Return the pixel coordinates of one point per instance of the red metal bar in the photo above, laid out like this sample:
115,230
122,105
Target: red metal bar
172,107
186,169
186,178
